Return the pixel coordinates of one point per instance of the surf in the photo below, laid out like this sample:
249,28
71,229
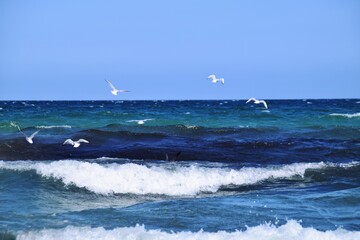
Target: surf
291,230
159,179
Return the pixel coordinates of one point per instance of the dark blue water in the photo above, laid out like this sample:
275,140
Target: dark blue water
190,169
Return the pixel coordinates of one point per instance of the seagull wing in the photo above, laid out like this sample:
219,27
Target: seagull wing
69,141
222,81
123,90
110,84
82,141
17,126
33,135
263,102
251,99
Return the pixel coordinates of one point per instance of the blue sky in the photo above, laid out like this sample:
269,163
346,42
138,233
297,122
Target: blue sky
63,50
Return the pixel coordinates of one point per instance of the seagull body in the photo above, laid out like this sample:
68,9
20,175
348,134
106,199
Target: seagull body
114,90
140,121
256,101
75,144
215,80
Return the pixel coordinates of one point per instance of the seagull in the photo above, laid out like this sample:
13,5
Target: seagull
256,101
28,139
115,91
140,121
215,80
75,144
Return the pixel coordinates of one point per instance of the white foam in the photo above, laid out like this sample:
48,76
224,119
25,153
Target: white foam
191,126
291,230
347,115
167,179
53,126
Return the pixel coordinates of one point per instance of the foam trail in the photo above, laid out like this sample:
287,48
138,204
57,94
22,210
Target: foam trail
347,115
167,179
291,230
53,126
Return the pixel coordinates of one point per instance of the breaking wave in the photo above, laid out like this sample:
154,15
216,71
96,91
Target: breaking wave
291,230
347,115
162,179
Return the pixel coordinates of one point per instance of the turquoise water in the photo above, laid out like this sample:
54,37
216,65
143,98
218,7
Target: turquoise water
191,170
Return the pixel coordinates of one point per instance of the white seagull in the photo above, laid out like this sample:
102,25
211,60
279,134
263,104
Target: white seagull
28,139
140,121
115,91
75,144
256,101
215,80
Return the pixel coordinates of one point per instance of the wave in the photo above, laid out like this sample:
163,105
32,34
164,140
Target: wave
53,126
347,115
291,230
165,179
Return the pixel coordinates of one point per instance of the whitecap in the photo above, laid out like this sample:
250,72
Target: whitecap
141,121
141,180
347,115
53,126
191,126
291,230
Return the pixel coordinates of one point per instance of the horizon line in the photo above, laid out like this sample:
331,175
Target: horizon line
240,99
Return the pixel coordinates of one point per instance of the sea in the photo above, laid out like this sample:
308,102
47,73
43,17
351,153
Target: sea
187,169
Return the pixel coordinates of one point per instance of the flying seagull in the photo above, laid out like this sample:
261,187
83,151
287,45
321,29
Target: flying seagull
256,101
115,91
75,144
215,80
28,139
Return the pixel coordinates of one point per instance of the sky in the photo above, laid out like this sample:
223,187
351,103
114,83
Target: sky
63,50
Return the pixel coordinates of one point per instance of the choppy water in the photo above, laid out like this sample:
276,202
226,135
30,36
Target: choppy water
192,170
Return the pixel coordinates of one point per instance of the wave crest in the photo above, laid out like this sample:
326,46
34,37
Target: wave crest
290,230
346,115
53,126
166,179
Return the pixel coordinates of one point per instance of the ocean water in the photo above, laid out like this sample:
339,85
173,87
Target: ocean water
190,170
